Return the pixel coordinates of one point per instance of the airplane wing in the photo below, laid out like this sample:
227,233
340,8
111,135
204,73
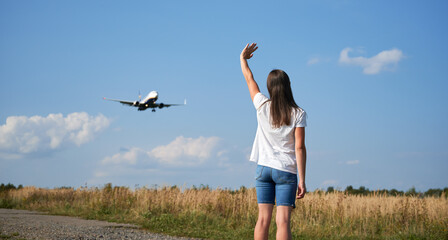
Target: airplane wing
161,105
120,101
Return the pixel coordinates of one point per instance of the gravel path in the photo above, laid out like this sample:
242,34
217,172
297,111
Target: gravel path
21,224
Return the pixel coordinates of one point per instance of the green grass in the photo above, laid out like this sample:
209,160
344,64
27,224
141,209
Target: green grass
225,214
13,235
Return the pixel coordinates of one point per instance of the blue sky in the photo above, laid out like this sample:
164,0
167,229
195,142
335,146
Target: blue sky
372,76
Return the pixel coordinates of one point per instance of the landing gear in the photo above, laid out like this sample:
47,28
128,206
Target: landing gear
153,110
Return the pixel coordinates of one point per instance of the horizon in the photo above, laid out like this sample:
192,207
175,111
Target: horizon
205,186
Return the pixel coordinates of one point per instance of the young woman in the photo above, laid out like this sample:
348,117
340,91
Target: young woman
279,149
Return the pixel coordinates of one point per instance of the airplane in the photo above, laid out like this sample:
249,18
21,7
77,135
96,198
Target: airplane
148,102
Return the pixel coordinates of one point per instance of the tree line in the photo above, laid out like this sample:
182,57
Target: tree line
9,186
432,192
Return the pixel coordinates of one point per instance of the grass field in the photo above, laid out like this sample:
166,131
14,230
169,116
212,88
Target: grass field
228,214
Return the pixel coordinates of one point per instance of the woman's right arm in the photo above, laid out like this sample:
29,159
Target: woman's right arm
246,54
300,148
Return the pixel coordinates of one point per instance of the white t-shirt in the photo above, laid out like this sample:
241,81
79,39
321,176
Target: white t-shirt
274,147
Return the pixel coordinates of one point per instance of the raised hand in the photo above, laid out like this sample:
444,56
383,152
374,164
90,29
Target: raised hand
248,51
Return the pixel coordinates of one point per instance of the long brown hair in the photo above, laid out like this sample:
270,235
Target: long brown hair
282,101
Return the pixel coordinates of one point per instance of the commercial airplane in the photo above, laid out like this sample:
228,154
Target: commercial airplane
148,102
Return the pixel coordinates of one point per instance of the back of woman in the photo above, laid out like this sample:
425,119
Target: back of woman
274,146
278,149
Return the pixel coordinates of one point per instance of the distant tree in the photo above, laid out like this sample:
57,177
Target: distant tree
411,192
7,187
349,189
330,189
353,191
363,190
383,192
395,192
433,192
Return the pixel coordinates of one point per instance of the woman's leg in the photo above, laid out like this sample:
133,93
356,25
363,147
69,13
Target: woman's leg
285,193
283,220
261,231
266,200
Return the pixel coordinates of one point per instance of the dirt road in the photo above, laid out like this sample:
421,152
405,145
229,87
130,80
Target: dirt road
21,224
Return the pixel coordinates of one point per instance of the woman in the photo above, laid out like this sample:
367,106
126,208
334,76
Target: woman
279,149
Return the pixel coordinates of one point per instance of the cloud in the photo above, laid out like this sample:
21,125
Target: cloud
22,135
180,152
128,156
330,182
313,61
354,162
197,150
374,65
183,160
316,60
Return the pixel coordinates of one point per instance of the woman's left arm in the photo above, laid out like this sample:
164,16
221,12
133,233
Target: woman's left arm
246,54
299,135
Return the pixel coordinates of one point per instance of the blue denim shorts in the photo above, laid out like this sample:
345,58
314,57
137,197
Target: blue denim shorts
273,184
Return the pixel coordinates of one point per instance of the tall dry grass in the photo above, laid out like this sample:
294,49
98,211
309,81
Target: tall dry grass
226,214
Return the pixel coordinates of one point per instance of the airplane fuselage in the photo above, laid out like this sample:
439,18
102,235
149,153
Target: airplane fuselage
148,102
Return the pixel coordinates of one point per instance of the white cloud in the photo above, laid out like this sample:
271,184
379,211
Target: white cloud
180,152
26,135
183,161
316,60
330,182
354,162
374,65
197,150
131,157
313,61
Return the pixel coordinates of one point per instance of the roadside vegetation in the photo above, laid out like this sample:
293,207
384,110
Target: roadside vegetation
202,212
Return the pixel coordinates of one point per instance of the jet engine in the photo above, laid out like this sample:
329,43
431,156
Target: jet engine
136,103
161,105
